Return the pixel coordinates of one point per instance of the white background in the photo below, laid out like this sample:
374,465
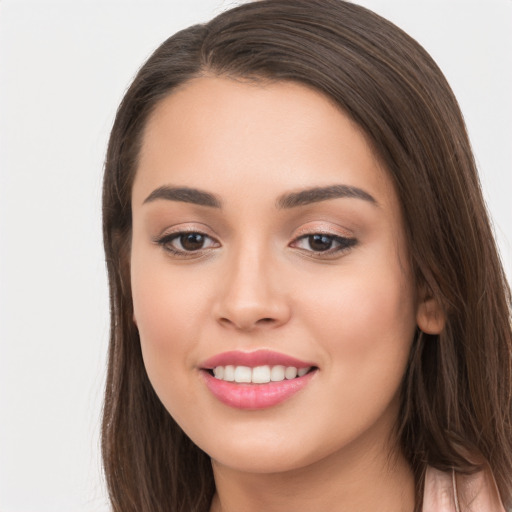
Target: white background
63,69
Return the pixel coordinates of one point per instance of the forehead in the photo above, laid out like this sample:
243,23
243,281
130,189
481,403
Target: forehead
219,133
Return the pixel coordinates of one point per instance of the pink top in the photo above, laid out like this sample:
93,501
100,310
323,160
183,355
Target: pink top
452,492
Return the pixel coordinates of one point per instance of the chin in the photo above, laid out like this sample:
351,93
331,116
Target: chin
268,454
256,462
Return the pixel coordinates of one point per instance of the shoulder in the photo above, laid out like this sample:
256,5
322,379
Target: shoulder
454,492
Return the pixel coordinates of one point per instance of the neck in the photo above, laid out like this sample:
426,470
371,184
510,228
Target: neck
344,481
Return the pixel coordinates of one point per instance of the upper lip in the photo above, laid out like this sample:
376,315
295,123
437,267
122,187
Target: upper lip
252,359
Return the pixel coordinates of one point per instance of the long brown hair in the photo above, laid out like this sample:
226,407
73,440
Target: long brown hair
456,406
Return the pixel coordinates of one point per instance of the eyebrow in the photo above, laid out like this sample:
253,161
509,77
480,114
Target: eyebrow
290,200
184,195
317,194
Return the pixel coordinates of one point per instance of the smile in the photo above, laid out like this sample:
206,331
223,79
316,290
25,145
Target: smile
259,374
255,380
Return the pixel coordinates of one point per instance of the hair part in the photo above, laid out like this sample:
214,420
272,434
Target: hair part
456,409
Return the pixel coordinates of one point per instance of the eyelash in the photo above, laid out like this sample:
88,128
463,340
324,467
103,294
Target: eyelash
166,241
343,244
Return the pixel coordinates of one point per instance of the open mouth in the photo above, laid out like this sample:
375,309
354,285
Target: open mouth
257,387
256,380
259,374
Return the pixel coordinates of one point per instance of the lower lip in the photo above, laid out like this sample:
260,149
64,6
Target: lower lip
255,396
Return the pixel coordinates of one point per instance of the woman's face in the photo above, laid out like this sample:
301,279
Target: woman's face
266,235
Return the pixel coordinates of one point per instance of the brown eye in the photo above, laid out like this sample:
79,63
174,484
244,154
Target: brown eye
320,242
192,241
187,243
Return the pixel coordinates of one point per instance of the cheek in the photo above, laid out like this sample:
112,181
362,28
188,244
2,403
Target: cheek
374,325
168,315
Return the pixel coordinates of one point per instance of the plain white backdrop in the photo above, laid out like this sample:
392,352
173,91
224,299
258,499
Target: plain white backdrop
63,69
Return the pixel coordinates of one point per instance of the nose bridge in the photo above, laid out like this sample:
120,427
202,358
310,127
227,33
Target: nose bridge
251,296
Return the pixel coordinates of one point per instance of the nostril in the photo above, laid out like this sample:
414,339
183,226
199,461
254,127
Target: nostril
247,325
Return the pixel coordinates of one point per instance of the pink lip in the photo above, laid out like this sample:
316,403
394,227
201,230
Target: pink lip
255,396
252,359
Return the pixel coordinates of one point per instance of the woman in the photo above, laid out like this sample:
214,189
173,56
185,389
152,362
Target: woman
307,307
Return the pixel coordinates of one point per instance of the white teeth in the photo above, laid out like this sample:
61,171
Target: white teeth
302,371
290,372
243,374
229,373
277,373
258,374
261,374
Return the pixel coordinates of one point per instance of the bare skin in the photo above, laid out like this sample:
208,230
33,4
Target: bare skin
246,264
333,484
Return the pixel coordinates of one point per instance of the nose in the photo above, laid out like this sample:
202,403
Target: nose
251,296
